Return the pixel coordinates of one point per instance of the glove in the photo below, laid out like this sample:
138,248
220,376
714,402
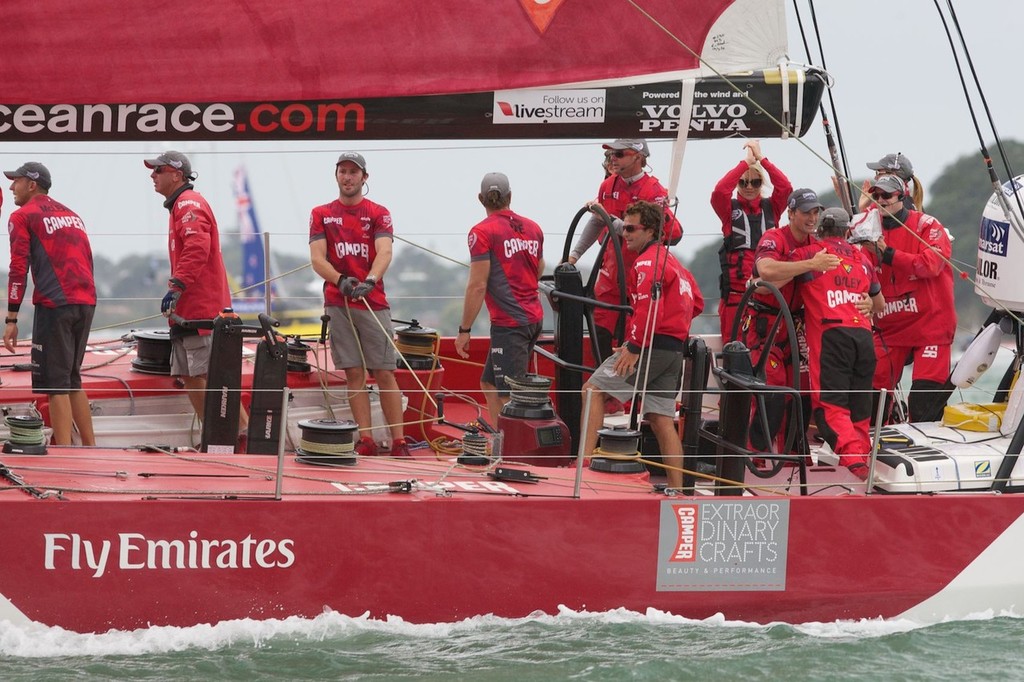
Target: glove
174,291
347,284
364,288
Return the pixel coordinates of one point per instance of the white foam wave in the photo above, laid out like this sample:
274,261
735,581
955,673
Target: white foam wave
32,640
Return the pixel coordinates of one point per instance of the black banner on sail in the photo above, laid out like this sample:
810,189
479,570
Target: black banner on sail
648,110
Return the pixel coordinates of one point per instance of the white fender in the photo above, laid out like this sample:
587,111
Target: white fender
978,357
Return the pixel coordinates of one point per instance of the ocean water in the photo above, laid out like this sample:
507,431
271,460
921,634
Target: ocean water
615,645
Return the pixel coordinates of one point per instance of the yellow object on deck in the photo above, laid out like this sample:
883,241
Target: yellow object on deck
986,417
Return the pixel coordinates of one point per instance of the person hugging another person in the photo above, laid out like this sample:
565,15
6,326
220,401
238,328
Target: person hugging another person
840,348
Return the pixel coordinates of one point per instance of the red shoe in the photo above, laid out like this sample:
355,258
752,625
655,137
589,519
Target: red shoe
859,469
400,448
366,447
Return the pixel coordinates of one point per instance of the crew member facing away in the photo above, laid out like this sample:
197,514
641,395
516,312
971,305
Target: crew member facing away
49,239
665,299
350,243
506,252
745,217
198,286
840,348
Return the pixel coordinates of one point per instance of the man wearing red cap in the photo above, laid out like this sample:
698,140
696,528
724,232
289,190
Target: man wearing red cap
49,239
350,243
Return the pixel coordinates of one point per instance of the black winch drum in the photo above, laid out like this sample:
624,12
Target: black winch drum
152,352
327,442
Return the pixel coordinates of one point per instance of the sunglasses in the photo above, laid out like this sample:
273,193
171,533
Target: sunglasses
885,196
631,228
157,170
619,153
755,183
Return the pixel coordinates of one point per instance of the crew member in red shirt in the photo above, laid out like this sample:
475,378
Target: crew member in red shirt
350,242
773,263
659,328
198,286
506,253
745,217
49,240
919,319
627,184
840,349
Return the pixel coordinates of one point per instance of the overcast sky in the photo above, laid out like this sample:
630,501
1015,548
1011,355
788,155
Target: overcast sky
895,87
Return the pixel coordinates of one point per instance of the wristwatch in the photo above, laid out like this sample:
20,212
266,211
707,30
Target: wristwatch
11,320
465,330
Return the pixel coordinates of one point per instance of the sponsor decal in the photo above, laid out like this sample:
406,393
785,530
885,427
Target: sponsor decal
901,305
343,249
515,245
993,236
739,545
983,469
549,106
137,552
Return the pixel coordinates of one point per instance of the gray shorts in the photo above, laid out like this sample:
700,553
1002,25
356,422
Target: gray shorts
352,329
190,355
509,355
666,374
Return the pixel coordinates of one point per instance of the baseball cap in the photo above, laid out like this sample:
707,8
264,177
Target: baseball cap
354,157
33,170
175,160
495,181
804,199
638,144
897,164
889,183
835,217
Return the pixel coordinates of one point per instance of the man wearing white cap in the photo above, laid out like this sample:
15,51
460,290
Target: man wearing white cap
506,252
627,184
350,243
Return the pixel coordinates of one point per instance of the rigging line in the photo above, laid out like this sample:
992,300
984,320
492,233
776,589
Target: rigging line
997,186
431,251
729,82
984,102
845,163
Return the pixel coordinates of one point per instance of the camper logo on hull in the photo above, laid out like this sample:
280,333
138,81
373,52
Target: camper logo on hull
715,545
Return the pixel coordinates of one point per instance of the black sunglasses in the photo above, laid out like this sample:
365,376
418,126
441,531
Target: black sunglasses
619,153
755,183
882,195
631,228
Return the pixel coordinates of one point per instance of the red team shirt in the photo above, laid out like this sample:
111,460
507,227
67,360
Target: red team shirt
351,233
830,297
615,196
681,299
514,246
778,244
193,243
49,239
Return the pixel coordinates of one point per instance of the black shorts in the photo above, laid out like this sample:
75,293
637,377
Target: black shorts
59,337
510,352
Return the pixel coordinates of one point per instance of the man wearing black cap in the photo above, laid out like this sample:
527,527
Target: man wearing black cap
627,184
772,262
840,349
198,285
506,259
49,239
350,243
919,319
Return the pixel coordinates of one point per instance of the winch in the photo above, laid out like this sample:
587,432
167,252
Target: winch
533,432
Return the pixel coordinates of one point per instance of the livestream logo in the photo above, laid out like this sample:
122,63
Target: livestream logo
549,106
